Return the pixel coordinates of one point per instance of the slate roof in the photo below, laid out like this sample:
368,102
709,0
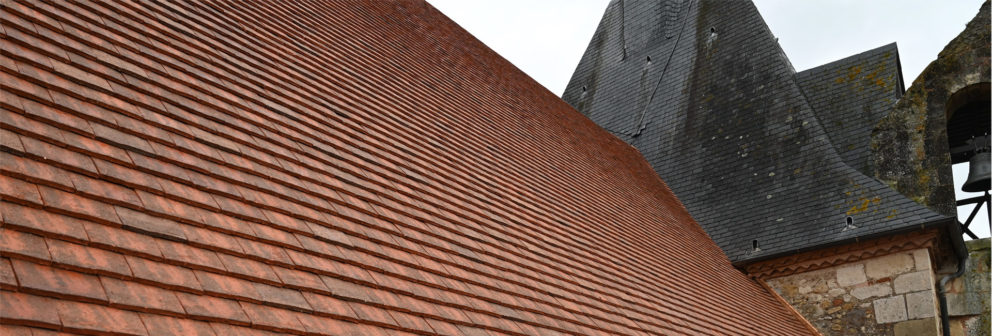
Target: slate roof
849,96
334,168
721,115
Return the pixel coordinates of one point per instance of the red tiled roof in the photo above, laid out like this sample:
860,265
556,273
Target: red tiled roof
225,168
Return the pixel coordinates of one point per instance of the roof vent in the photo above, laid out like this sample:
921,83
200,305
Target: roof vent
850,224
754,246
711,38
649,59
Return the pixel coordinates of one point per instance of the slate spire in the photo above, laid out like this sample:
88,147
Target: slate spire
710,99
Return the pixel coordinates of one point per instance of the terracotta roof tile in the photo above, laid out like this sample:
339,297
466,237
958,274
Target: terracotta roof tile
54,115
372,314
7,277
265,251
87,259
10,330
165,275
222,329
251,268
140,296
27,309
97,149
170,208
126,176
166,325
213,308
77,205
154,226
330,305
18,190
34,171
113,238
377,172
10,140
58,282
285,297
212,239
300,279
16,84
276,319
320,325
63,157
227,286
190,256
24,245
90,318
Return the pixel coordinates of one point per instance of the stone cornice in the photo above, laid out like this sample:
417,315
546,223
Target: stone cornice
829,257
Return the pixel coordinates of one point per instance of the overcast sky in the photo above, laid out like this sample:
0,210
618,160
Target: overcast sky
546,38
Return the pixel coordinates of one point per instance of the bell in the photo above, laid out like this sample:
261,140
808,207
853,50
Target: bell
979,173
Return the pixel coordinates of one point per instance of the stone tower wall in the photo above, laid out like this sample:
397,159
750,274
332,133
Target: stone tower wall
887,295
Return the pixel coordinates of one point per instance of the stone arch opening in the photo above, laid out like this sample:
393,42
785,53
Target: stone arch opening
968,116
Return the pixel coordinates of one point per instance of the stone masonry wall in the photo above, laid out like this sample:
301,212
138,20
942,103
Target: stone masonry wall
888,295
968,295
916,128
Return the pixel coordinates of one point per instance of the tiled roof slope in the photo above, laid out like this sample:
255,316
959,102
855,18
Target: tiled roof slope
361,168
718,112
850,96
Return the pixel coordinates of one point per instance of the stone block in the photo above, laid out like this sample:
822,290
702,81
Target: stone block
882,289
961,304
913,282
889,266
957,304
924,327
890,309
851,275
922,259
921,304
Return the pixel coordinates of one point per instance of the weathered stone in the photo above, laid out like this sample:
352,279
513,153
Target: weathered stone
889,266
922,258
882,289
913,282
890,309
851,275
873,307
918,122
968,302
960,304
978,325
924,327
921,304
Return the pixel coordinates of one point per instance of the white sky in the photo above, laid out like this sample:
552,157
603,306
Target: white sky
546,38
